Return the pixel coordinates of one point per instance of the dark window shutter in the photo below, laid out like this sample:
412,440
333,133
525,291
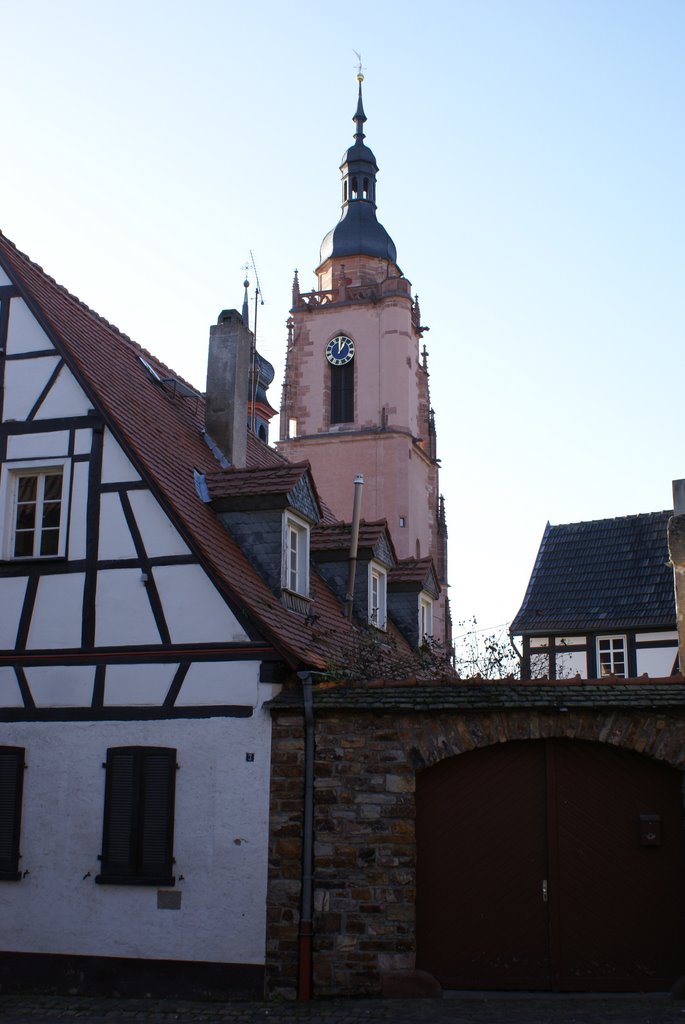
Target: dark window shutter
342,393
138,831
157,818
11,786
118,841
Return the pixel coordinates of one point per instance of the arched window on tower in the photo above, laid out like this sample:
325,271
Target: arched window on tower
365,192
355,189
342,393
344,192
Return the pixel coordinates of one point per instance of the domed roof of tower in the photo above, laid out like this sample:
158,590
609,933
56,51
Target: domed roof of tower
358,232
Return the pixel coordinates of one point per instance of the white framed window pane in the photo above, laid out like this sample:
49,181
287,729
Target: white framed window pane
38,515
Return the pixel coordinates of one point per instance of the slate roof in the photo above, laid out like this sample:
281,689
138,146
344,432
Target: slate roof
162,435
415,697
608,574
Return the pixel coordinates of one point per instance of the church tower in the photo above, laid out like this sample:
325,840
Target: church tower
355,394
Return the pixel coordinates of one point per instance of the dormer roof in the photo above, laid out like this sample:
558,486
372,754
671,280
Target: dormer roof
414,574
265,487
331,542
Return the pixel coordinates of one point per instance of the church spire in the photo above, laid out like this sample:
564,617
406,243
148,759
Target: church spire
358,232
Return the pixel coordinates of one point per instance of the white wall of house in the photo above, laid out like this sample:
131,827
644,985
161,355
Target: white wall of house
222,794
220,845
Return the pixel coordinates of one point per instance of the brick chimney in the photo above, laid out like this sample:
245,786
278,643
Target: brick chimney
228,370
676,548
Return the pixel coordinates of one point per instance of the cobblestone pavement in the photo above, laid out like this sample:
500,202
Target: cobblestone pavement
456,1008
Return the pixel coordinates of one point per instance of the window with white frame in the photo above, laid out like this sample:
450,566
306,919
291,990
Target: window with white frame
611,656
378,586
296,555
425,617
35,503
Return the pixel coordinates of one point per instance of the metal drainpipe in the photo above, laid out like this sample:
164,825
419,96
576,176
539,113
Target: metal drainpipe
354,541
305,938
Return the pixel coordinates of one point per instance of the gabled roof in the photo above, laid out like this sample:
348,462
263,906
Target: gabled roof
258,487
414,574
608,574
162,433
329,538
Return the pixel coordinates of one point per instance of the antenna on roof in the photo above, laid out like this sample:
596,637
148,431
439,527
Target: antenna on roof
253,372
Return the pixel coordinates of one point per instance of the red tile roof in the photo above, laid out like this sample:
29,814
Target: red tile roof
252,482
162,434
336,536
411,570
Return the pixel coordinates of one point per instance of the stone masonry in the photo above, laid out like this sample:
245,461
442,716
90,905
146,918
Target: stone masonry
370,743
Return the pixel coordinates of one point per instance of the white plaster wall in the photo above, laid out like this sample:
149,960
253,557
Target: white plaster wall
220,844
137,685
24,333
61,686
669,634
65,398
116,468
122,610
228,682
83,442
159,536
24,381
115,536
38,446
78,511
657,662
194,609
10,697
12,590
57,612
4,279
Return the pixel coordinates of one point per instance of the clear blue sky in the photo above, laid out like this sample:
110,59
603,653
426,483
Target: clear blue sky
532,166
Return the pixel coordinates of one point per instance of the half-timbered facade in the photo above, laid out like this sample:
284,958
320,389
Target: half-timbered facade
155,589
600,601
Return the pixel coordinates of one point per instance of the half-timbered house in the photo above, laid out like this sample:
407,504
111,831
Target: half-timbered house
156,588
600,601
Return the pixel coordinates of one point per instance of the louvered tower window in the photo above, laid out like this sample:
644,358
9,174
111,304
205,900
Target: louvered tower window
11,785
138,830
342,393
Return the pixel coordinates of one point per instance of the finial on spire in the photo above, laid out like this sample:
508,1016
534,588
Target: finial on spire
296,290
359,116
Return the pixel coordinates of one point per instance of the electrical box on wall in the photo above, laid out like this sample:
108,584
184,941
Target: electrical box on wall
650,829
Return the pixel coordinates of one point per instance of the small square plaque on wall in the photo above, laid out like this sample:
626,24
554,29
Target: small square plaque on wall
169,899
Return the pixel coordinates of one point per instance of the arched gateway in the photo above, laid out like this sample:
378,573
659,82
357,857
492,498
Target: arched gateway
551,864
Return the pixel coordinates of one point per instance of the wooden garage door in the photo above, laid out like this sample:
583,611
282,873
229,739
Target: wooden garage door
553,864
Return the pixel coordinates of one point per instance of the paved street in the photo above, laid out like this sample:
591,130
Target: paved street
461,1008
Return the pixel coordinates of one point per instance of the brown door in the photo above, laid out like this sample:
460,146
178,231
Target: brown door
551,864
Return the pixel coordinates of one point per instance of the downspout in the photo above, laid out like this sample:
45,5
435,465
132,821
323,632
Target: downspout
354,543
304,990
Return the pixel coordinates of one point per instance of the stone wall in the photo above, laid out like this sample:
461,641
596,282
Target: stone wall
365,849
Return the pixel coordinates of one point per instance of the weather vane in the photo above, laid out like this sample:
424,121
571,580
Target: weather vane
360,68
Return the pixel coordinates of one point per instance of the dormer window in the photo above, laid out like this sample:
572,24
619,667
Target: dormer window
296,555
378,586
425,617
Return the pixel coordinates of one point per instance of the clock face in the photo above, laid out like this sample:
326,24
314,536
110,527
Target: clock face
339,350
